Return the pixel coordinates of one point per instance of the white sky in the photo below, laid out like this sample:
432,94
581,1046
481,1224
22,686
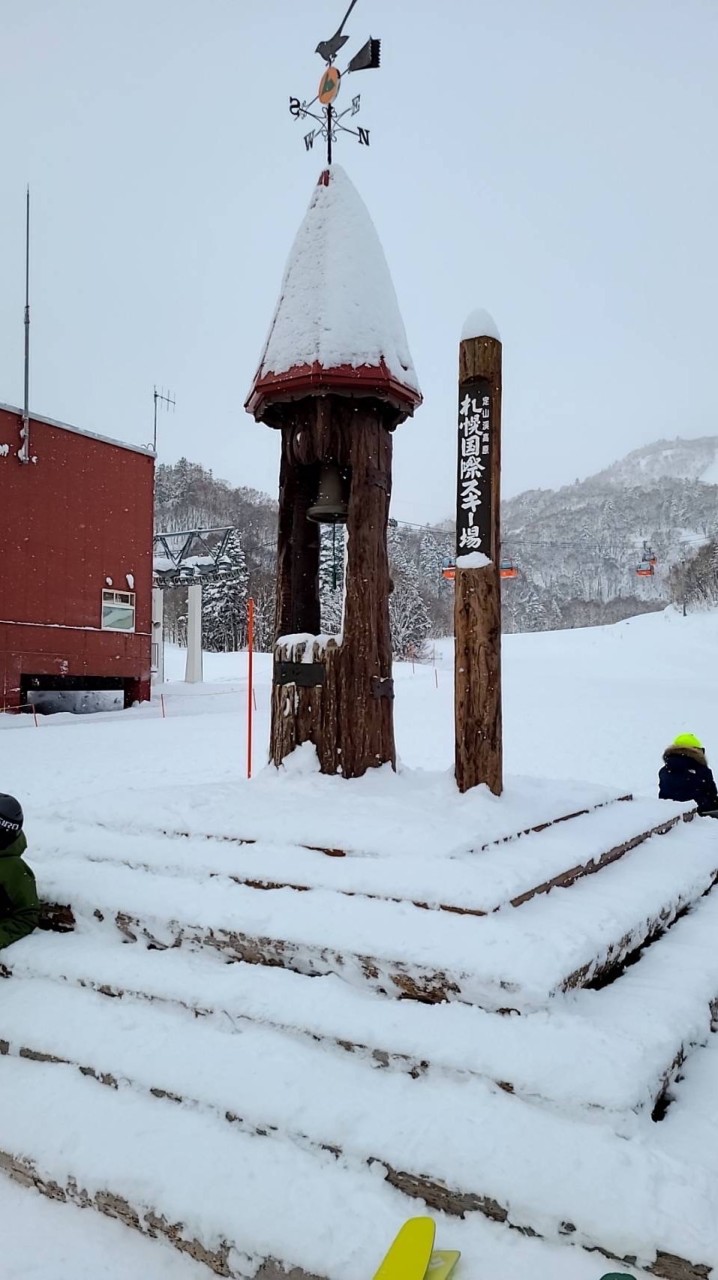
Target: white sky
551,160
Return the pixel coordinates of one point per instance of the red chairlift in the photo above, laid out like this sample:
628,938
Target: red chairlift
448,569
508,569
645,569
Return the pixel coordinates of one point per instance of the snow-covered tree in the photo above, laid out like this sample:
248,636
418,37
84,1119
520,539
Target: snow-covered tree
264,607
431,562
331,577
409,619
224,601
400,559
408,614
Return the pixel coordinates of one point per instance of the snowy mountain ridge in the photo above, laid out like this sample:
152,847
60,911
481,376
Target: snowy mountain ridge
676,459
579,549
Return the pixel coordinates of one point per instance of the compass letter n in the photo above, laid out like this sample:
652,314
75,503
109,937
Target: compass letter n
363,137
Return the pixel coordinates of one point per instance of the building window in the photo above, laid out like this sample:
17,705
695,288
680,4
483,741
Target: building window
118,611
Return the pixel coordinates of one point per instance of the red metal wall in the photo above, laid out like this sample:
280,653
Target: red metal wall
80,514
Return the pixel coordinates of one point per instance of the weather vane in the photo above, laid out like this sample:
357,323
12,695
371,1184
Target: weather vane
328,119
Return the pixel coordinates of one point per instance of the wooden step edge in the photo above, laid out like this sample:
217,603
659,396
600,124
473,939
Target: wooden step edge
437,1195
344,853
395,979
554,822
389,978
432,1191
55,916
148,1222
415,982
582,869
390,1059
600,972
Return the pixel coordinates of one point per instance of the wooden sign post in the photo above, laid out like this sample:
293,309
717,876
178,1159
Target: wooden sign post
477,608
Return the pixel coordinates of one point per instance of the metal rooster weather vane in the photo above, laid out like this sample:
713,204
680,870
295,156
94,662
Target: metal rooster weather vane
328,118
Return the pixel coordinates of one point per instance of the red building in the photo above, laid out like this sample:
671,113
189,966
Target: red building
75,562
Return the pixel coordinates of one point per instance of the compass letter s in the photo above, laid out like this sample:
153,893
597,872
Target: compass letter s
295,107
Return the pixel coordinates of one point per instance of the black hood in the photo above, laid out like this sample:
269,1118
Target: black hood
16,849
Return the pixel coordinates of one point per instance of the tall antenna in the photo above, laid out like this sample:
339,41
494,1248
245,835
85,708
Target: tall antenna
24,452
168,400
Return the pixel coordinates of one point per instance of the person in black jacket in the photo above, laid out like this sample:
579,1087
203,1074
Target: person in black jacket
685,774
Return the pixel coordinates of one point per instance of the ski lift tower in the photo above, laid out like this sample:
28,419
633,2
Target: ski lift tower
335,379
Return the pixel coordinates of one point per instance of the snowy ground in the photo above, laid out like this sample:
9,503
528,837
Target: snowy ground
597,705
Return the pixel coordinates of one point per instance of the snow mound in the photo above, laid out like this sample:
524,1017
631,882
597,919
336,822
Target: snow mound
337,304
480,324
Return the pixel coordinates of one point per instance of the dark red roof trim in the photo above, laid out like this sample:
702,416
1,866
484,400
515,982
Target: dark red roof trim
314,380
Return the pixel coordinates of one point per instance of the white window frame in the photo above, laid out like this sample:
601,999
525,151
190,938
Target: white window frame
113,598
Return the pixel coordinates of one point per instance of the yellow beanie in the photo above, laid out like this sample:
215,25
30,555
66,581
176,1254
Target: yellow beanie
688,740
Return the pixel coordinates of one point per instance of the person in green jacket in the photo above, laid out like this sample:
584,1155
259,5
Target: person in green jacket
19,906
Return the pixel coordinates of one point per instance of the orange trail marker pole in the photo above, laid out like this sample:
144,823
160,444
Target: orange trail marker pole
250,682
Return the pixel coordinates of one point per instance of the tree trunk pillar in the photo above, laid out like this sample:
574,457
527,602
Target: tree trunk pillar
477,609
337,692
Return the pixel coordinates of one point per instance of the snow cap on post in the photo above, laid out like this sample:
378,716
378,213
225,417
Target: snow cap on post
337,326
480,324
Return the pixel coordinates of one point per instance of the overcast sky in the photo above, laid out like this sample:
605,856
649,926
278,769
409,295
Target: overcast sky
554,161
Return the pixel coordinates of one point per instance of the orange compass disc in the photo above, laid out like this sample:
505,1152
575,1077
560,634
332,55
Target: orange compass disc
329,85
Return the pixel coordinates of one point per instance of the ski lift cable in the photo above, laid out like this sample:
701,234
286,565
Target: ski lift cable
584,545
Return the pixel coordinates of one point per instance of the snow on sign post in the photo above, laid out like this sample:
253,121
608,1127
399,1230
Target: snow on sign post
477,608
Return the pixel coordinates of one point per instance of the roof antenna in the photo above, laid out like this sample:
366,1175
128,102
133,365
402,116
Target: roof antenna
24,451
169,402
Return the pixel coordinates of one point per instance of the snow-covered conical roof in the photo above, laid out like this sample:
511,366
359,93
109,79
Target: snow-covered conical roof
337,326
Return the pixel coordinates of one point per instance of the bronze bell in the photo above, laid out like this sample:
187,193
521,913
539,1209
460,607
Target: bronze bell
331,505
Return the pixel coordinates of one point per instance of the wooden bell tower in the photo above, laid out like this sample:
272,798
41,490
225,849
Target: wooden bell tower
335,378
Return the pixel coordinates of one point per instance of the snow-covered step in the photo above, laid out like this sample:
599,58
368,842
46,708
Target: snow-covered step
689,1130
387,814
70,1243
168,1163
512,958
625,1041
50,1240
479,882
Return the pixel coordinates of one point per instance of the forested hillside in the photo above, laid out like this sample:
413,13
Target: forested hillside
577,550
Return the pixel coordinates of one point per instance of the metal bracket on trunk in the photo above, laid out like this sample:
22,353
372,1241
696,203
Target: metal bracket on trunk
305,675
382,687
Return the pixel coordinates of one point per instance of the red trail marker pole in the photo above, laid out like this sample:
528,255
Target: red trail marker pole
250,682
